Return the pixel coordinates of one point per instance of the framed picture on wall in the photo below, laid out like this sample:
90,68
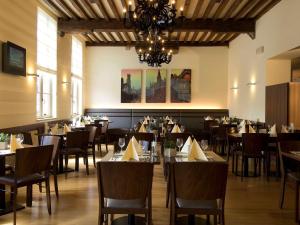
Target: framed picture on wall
131,85
181,85
156,84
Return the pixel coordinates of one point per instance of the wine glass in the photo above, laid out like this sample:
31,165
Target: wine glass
182,128
179,143
204,144
121,143
20,138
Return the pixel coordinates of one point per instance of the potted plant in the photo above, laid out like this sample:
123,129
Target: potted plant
169,148
3,140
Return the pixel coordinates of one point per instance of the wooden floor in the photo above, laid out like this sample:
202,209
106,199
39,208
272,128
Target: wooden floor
253,201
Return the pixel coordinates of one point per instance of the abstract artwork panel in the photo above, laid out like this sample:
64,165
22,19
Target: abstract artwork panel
131,85
156,81
181,85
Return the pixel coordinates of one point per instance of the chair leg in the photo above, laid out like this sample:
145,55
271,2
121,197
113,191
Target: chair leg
76,163
94,155
297,203
48,195
66,161
40,187
55,184
215,220
282,191
242,169
15,190
168,192
29,195
207,219
87,164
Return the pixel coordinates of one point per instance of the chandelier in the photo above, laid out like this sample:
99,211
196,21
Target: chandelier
150,16
155,53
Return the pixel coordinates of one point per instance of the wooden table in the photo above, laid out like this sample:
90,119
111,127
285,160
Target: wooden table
211,156
292,156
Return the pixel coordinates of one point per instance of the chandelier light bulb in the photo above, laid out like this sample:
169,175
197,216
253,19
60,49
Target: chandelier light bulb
163,49
129,3
140,50
134,16
150,48
181,8
124,10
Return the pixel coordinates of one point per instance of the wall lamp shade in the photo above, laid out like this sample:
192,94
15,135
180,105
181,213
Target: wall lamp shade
251,84
66,82
32,75
234,88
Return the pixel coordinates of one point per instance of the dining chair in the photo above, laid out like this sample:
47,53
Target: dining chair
77,145
55,141
171,137
101,136
124,188
289,168
219,139
149,137
198,188
32,167
92,129
254,146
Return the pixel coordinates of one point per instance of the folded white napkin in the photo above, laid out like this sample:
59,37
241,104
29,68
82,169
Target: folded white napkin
176,129
167,118
196,152
187,145
54,129
225,122
66,128
251,130
145,122
14,143
170,122
148,117
137,146
242,129
273,129
284,129
242,123
142,129
208,118
130,152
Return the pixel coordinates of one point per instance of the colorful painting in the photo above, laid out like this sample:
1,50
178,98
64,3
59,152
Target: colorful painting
181,85
131,85
156,81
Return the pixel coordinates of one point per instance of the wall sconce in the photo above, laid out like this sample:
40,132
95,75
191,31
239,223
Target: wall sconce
234,88
66,82
251,84
33,75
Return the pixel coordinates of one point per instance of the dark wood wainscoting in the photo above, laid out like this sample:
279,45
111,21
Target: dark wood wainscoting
277,104
126,118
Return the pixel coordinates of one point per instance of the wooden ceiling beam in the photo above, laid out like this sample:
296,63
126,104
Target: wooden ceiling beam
231,9
89,8
171,44
186,37
232,37
267,8
178,36
67,8
210,37
120,36
186,6
111,37
247,7
259,5
136,36
225,37
56,9
217,37
209,8
101,8
80,11
124,4
194,36
88,38
96,37
219,10
128,39
236,26
102,37
203,36
197,9
114,9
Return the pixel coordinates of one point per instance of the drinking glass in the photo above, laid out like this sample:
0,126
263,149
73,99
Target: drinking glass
179,143
121,143
20,138
182,128
204,144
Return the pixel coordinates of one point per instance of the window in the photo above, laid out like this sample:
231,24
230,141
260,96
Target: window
76,70
46,65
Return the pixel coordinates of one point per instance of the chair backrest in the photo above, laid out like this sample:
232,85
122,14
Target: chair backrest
288,142
142,136
254,143
78,139
199,180
93,131
104,127
208,123
124,180
114,135
33,160
52,140
174,136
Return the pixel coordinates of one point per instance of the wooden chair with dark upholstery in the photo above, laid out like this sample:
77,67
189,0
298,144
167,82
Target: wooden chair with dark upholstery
93,131
254,146
289,168
219,139
55,141
77,145
32,167
101,136
198,188
125,188
114,135
149,137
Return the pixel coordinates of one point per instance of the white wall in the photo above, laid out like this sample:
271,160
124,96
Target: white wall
209,77
278,32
